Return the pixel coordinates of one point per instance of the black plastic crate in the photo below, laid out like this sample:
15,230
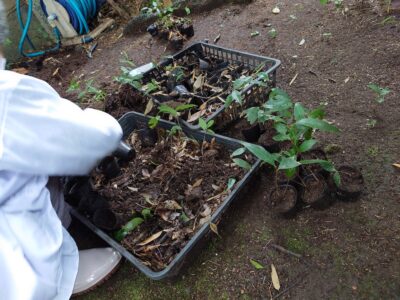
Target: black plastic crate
232,56
132,121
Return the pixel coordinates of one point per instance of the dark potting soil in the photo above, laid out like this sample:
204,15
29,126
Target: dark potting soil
284,198
314,190
182,181
125,99
351,179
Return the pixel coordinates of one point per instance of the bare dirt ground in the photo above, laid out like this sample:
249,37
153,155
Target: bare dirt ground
349,251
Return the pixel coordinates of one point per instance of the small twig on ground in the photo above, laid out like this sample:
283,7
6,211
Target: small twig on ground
288,288
281,249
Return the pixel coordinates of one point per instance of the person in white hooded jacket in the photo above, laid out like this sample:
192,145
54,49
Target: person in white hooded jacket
42,135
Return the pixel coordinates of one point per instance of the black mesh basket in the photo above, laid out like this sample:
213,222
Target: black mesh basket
251,94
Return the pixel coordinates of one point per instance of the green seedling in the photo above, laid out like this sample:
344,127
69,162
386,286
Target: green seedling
273,33
294,124
379,91
258,78
128,228
125,78
74,86
371,123
173,113
126,61
206,126
93,92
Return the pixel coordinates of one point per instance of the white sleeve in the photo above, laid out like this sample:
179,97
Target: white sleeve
44,134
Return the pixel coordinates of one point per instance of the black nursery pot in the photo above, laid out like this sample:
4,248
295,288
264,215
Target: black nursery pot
252,134
149,137
92,202
187,30
176,42
315,192
284,199
351,183
109,167
153,29
76,189
125,152
105,219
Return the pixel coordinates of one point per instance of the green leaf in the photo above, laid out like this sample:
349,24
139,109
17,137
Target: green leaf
127,228
288,163
146,213
252,114
154,121
255,33
317,124
256,264
210,123
168,110
336,178
183,107
187,10
307,145
231,183
242,163
237,97
184,218
281,128
299,111
290,173
203,124
240,83
323,1
175,129
238,152
228,100
281,137
260,153
317,113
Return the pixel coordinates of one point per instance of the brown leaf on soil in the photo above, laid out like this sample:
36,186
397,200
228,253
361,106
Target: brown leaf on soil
396,166
149,107
275,279
195,116
150,239
197,183
171,205
206,212
214,228
198,84
22,71
133,189
145,173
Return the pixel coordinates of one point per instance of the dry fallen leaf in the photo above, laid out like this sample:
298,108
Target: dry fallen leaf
347,80
133,189
145,173
149,107
150,239
276,10
275,279
171,205
214,228
198,84
396,165
302,42
197,183
206,212
195,116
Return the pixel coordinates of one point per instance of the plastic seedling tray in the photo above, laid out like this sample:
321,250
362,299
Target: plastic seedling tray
129,123
150,71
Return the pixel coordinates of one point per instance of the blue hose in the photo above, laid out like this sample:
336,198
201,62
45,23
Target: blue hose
79,11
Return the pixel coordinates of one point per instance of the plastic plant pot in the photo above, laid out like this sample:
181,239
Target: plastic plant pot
105,219
77,188
125,152
148,136
109,167
252,134
152,29
351,183
315,169
315,192
92,202
284,199
187,30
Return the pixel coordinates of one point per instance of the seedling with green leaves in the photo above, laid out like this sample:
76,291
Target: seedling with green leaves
88,93
206,126
295,125
258,78
173,113
125,78
380,92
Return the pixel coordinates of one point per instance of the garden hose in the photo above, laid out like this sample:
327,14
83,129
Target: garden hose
79,11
